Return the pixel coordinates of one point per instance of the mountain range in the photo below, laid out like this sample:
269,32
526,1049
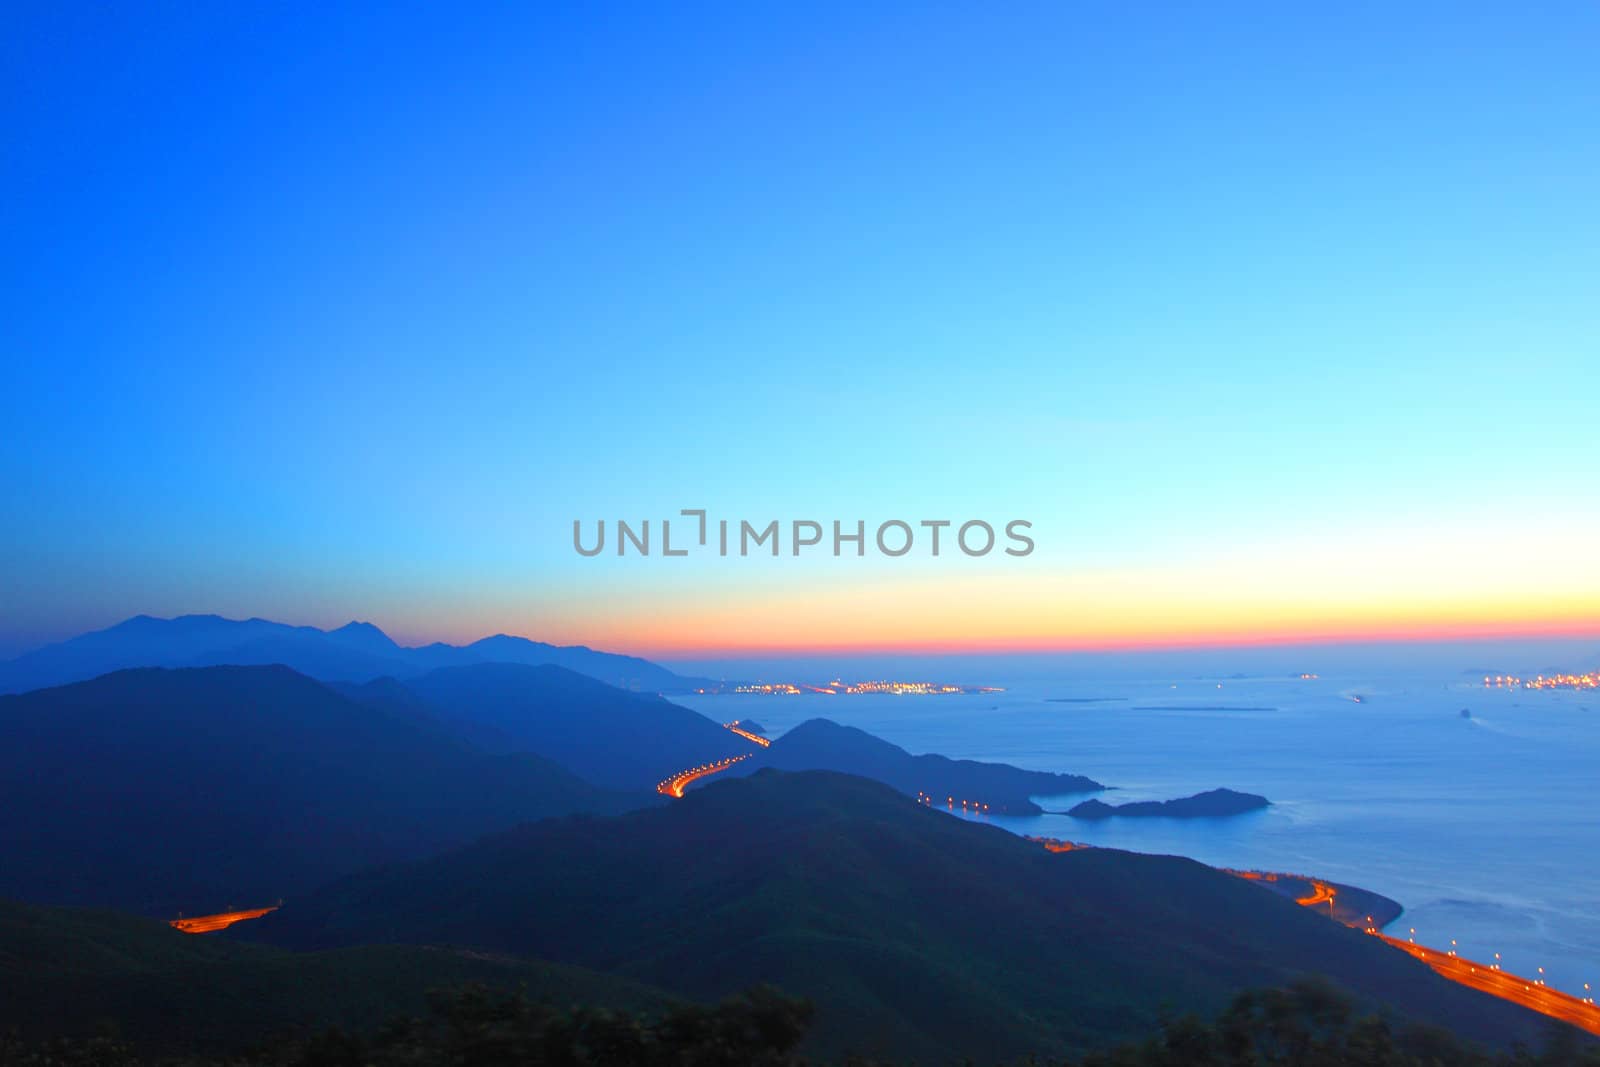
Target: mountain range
497,822
355,652
159,791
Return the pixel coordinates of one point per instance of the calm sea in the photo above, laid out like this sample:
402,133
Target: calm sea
1485,827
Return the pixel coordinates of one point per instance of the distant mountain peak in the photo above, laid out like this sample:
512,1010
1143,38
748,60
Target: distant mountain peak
364,634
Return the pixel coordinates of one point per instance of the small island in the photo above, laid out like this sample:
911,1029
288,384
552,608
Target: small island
1210,804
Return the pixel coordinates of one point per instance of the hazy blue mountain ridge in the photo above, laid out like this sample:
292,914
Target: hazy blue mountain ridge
355,652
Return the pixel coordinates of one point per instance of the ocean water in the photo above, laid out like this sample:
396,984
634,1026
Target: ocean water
1485,828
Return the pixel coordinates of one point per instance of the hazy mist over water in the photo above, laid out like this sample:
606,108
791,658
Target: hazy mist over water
1484,827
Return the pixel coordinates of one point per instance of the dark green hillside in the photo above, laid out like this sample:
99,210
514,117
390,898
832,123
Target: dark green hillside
918,935
601,733
166,791
67,972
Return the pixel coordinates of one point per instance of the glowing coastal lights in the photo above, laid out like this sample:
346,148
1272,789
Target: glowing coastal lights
205,924
975,807
879,687
1056,844
1321,893
1587,680
909,688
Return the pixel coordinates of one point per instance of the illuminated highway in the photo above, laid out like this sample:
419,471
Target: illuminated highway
1529,992
674,786
205,924
746,734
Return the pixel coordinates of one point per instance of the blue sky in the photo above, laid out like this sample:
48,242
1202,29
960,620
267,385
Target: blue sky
320,316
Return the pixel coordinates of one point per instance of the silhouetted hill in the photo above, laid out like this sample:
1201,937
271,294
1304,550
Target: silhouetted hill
365,636
1211,803
918,934
157,791
310,654
64,971
624,672
357,652
613,738
390,695
823,745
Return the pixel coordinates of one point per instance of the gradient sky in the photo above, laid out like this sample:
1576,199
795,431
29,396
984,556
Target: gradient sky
1277,322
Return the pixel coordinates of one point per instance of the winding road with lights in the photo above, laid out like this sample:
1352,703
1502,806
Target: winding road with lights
1530,993
1486,978
674,786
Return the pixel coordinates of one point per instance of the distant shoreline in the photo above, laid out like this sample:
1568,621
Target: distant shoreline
1203,707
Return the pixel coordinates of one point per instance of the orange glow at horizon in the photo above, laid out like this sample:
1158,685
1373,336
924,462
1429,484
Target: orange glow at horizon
1024,627
1002,615
1393,584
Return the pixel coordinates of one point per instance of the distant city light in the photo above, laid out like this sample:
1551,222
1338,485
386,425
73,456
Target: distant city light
1589,680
